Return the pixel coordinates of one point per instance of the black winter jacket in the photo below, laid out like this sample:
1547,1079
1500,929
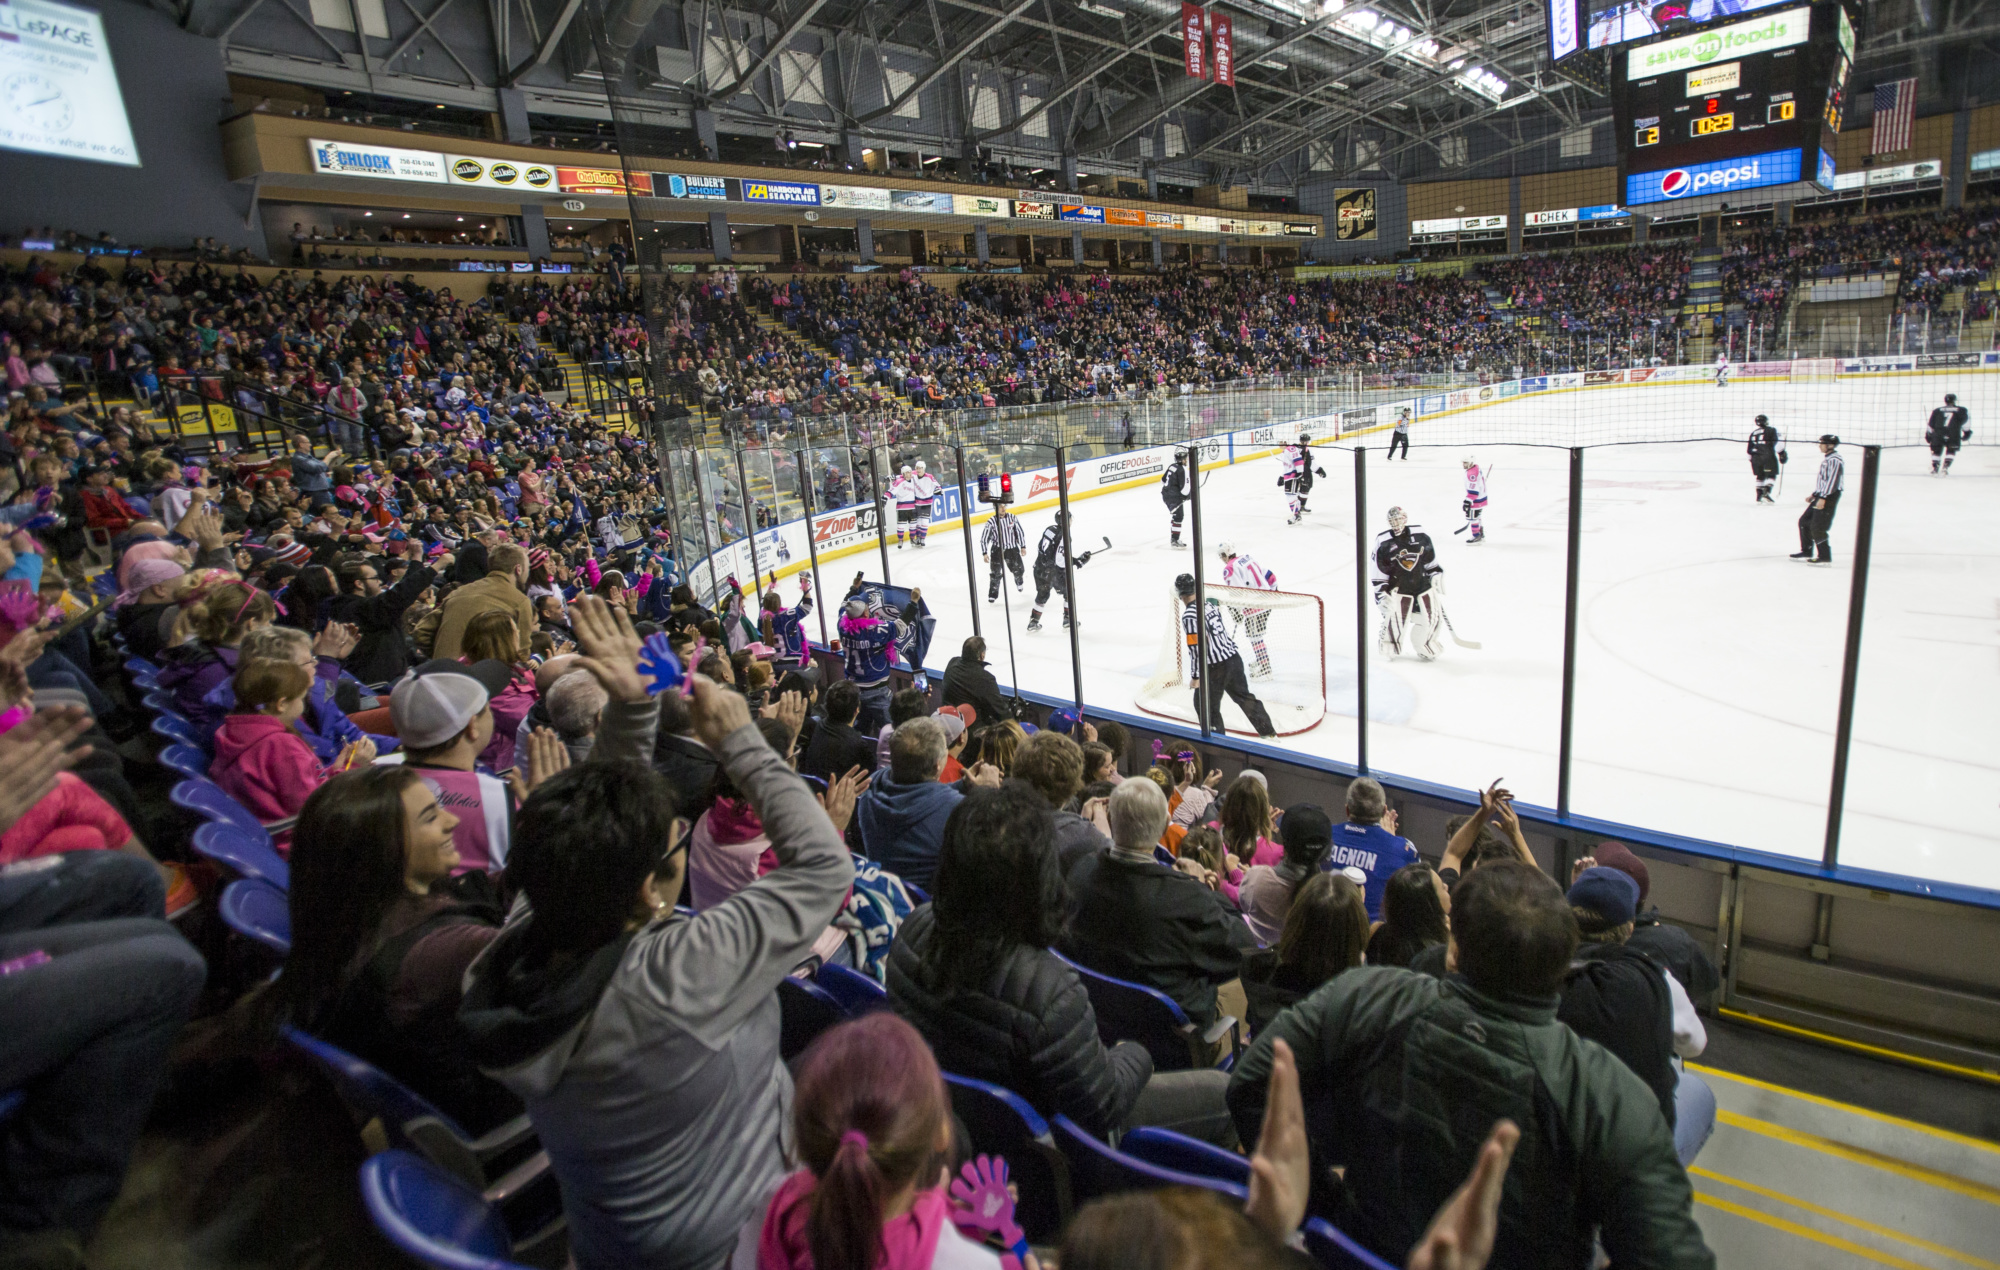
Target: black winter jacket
1149,924
383,652
968,682
1029,1028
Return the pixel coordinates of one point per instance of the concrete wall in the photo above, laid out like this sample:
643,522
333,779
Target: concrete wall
175,90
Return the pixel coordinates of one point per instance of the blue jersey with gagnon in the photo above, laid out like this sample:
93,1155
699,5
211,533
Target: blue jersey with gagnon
1373,850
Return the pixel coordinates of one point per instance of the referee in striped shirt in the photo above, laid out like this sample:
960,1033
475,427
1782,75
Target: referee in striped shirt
1001,542
1224,672
1820,505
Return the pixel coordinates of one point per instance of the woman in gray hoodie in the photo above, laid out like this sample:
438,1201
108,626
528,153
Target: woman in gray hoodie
644,1043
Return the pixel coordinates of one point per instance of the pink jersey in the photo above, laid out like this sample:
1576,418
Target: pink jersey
1475,486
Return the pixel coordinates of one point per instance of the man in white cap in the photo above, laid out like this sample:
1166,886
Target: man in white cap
443,718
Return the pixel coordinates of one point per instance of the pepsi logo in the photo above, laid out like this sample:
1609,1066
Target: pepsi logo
1676,183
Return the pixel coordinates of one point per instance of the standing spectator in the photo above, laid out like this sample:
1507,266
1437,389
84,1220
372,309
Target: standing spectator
1368,840
1403,1075
968,682
643,1042
1134,918
502,590
382,654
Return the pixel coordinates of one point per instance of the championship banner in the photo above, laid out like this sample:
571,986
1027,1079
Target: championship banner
1195,29
1225,52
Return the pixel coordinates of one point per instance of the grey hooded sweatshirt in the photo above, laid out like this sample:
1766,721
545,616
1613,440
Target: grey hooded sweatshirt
651,1070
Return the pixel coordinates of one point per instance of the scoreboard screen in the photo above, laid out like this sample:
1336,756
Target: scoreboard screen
1702,105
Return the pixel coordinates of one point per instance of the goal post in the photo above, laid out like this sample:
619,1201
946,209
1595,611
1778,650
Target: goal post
1288,627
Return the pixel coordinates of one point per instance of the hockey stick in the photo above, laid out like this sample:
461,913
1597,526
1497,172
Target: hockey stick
1462,643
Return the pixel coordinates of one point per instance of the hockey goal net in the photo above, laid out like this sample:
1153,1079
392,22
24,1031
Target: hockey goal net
1281,636
1814,370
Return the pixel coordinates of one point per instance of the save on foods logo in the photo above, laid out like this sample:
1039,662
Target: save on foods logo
1780,30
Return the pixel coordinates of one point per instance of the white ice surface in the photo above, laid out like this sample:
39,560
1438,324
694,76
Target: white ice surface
1708,667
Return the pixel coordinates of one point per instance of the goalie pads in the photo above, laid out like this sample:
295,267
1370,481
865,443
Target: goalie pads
1411,624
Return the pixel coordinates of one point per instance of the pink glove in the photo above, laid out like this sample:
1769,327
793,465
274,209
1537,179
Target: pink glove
988,1206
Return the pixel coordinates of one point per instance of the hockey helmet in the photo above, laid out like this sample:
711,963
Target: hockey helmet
906,469
920,465
1763,419
1225,550
1469,461
1951,399
1305,438
1397,519
1184,584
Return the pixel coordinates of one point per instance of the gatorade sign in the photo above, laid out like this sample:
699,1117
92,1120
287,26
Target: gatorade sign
1779,167
1720,44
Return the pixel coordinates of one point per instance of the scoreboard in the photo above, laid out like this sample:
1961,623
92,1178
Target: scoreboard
1735,106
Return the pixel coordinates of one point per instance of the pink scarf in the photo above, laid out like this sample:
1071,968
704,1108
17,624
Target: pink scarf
909,1242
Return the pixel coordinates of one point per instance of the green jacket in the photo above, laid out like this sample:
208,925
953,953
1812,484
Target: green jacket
1403,1077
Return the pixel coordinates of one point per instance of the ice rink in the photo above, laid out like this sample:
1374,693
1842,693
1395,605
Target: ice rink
1708,667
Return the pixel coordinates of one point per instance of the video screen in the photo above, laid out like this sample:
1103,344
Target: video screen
58,90
1639,19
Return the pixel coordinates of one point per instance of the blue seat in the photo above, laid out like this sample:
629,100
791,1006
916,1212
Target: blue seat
176,730
160,701
212,802
1096,1168
11,1103
805,1010
251,855
145,680
1331,1247
857,993
1183,1154
433,1216
1133,1012
256,910
409,1121
184,760
136,666
918,895
1000,1122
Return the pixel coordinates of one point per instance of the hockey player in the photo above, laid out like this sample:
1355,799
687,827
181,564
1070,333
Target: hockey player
1239,570
1406,589
903,492
1175,490
868,641
1049,573
1765,457
1224,671
924,488
1722,369
1946,432
1475,498
1297,477
784,628
1001,542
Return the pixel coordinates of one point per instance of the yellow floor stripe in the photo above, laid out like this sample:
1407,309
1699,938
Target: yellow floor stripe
1932,1130
1807,1232
1873,1229
1862,1047
1861,1155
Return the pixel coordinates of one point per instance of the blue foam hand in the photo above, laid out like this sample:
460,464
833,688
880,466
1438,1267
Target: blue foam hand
658,665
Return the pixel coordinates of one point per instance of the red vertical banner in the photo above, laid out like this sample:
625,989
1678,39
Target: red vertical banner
1225,49
1195,27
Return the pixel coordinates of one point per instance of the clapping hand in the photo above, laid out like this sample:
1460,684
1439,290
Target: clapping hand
336,640
841,793
33,753
1461,1234
790,710
716,711
1281,1167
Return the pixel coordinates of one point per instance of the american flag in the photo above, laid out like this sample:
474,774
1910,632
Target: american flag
1895,116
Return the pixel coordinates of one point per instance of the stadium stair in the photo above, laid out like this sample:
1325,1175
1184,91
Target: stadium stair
1704,289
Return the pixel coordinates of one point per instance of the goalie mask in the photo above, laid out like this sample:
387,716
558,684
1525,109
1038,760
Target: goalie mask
1398,518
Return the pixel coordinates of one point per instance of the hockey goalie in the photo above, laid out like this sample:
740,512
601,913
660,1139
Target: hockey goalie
1408,590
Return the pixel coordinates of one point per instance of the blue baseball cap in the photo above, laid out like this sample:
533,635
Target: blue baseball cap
1607,892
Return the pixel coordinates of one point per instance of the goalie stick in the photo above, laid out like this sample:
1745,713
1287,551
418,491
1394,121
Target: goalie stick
1462,643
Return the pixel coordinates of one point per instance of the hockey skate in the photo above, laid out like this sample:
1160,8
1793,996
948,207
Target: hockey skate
1066,621
1803,555
1034,621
